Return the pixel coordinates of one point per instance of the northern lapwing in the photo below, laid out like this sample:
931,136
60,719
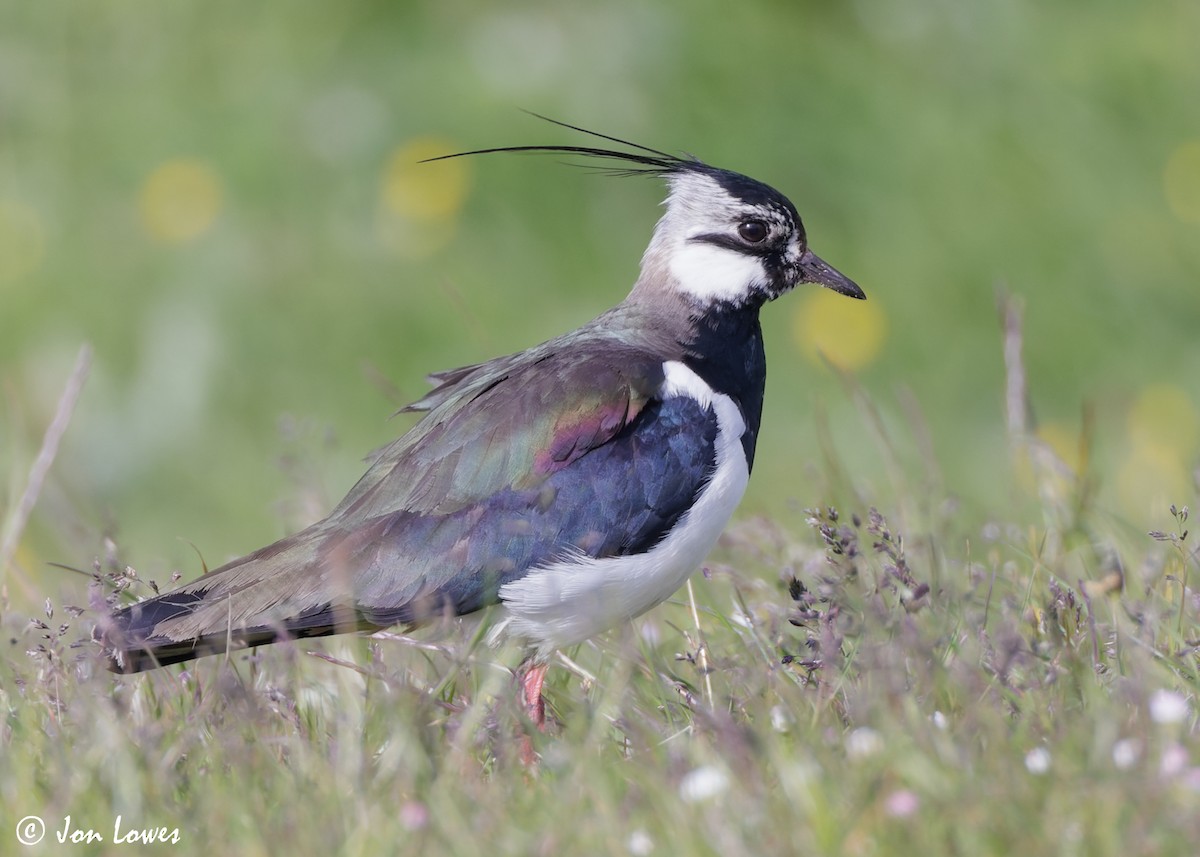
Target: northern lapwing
575,485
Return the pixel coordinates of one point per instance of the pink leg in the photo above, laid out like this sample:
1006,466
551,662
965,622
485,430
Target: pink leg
532,676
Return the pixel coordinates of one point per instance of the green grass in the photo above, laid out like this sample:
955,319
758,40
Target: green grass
934,150
909,680
243,366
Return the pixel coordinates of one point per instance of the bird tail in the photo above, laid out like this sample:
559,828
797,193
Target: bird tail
134,644
283,591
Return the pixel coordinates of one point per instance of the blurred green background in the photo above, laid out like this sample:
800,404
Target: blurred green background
221,197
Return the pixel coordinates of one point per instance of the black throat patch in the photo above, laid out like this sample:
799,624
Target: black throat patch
726,350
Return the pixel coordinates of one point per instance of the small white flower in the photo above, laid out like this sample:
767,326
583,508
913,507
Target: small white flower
902,804
1174,760
1125,753
739,617
414,815
1037,761
640,844
703,783
863,742
939,720
1167,706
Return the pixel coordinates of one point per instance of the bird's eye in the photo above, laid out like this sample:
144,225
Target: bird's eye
753,231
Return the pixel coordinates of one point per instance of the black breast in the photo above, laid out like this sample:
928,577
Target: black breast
726,350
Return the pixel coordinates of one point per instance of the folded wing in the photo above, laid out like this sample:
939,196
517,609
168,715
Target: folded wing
516,463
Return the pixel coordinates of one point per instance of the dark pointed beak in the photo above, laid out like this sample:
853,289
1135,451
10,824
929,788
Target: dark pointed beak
813,269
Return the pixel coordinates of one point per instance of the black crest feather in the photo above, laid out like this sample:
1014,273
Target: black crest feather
649,161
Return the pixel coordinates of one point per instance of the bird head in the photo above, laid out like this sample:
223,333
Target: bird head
724,239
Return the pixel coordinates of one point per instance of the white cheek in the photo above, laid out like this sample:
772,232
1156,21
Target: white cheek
712,273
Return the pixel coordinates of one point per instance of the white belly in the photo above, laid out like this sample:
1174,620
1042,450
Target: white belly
567,602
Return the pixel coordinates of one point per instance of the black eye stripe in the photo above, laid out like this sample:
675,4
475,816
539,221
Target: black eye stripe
766,248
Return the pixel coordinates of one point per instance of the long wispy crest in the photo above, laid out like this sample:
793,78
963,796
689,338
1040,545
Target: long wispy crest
651,161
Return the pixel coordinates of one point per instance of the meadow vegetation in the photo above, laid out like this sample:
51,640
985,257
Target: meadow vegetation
910,679
942,623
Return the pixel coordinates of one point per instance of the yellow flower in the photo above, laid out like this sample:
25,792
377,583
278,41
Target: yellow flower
180,200
420,202
848,333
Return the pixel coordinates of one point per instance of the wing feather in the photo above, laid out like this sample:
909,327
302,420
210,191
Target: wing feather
564,448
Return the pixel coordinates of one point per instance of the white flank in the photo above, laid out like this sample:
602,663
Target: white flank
711,273
569,601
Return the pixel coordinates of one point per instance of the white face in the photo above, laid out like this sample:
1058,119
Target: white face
718,248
